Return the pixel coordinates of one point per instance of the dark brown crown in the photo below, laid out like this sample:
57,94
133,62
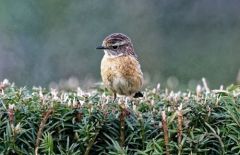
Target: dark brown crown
118,43
117,37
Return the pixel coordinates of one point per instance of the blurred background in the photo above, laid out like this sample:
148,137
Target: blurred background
178,42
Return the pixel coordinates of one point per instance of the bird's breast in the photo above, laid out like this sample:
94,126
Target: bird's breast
121,74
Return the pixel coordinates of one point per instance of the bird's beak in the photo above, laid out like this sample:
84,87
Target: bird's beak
101,47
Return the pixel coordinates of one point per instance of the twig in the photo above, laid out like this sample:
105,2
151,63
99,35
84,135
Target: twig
11,119
92,141
205,85
39,133
165,130
122,123
78,113
11,114
180,122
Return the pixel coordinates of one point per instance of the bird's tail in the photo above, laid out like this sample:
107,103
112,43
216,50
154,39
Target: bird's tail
138,94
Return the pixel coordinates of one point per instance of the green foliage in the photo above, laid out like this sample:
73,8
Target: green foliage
47,144
71,123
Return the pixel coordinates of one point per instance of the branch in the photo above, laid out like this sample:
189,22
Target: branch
180,129
122,123
39,133
165,130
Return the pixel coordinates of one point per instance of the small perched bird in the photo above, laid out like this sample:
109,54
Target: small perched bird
120,70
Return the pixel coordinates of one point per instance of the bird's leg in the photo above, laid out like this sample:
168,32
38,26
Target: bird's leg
114,97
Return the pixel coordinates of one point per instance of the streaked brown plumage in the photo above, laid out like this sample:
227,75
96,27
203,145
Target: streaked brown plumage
120,69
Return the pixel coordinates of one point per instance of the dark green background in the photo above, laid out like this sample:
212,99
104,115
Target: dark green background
179,41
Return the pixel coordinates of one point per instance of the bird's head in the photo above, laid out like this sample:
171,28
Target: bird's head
117,44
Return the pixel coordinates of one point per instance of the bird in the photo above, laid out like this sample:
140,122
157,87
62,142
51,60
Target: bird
120,69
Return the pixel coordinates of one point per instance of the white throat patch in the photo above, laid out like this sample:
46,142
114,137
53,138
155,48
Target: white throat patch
111,54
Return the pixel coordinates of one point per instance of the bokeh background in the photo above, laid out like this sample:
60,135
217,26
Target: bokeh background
178,42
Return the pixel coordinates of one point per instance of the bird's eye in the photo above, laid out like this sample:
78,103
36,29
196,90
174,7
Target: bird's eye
114,47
